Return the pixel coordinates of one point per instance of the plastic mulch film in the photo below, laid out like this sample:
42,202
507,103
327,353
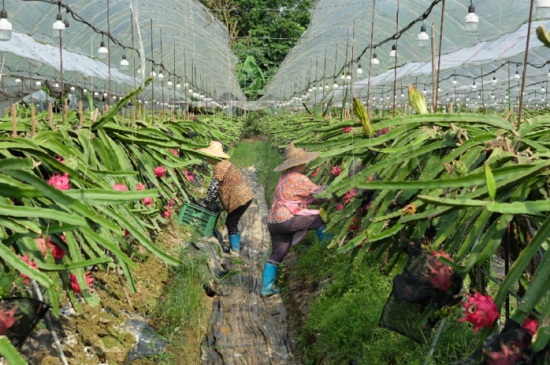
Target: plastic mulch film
424,283
511,346
19,316
338,40
195,47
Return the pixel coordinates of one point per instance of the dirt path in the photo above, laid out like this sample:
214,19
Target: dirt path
245,328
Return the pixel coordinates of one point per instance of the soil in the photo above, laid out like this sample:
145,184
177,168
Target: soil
99,334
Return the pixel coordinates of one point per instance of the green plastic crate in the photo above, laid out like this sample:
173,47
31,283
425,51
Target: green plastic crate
201,219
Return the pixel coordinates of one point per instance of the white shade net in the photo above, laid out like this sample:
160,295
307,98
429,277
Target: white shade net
187,44
338,40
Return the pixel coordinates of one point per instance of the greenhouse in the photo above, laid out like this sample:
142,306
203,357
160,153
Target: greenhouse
285,182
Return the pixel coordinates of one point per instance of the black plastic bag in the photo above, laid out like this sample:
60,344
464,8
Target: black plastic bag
19,316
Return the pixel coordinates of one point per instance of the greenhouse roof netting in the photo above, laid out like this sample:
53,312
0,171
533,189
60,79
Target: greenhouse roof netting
338,42
184,41
180,37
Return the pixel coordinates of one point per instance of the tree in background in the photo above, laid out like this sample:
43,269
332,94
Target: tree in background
251,78
264,29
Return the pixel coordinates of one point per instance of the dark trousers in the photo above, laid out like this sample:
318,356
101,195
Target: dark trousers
282,234
233,218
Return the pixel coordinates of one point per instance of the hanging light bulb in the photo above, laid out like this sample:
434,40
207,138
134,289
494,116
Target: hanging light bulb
516,76
327,87
160,76
153,74
348,77
178,86
169,83
335,86
494,81
454,82
471,21
542,89
5,25
423,37
84,91
72,89
474,86
96,94
543,9
58,25
375,60
359,70
102,51
18,80
56,86
37,85
393,52
124,64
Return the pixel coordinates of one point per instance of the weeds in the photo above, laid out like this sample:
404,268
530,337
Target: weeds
182,305
342,324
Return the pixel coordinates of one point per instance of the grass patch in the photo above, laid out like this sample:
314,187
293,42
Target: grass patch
182,313
265,158
342,323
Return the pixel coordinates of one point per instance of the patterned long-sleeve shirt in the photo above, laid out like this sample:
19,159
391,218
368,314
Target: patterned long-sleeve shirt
292,186
228,184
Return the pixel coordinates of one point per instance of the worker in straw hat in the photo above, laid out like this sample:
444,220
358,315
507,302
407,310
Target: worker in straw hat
289,217
228,184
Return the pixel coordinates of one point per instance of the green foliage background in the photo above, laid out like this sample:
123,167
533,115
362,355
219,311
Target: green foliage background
262,29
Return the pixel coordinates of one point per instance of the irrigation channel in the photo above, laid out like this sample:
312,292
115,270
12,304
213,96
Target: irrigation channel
244,327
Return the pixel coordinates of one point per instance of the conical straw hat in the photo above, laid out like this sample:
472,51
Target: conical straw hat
296,156
215,149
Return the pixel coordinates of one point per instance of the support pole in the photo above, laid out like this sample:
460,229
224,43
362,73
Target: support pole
33,121
525,62
153,82
434,71
109,54
436,95
370,57
14,120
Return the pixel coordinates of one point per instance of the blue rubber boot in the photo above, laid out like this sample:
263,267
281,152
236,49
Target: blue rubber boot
268,280
235,241
323,235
